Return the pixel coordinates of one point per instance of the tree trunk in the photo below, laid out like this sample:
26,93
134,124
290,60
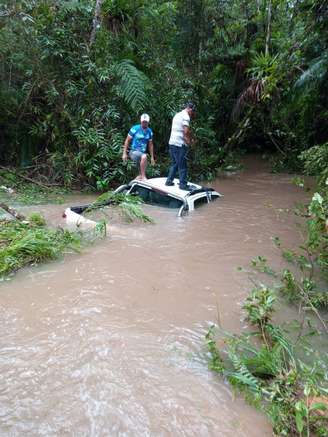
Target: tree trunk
96,22
268,33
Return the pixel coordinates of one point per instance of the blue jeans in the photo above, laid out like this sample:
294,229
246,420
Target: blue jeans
179,163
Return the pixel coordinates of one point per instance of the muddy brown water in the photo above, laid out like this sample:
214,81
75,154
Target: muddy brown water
110,342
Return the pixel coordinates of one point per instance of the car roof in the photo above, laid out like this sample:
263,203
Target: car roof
158,184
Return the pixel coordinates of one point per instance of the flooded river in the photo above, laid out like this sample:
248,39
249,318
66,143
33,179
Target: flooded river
111,342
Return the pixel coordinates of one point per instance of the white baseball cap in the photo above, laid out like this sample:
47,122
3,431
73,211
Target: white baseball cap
145,117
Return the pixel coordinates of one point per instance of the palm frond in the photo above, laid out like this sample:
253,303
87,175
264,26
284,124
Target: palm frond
266,363
132,211
250,96
129,206
263,66
278,337
316,72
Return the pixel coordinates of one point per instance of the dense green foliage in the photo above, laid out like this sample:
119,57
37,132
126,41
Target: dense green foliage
72,80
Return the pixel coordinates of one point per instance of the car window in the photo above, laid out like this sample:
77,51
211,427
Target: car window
155,198
200,201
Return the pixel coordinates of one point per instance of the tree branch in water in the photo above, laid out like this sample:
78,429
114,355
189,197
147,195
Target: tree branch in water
12,211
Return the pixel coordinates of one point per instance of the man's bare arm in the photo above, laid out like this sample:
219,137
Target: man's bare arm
151,151
187,135
125,147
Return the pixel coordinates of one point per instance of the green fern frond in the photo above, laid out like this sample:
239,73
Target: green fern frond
241,374
132,84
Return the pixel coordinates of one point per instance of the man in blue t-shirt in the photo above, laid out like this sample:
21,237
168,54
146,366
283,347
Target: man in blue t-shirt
142,139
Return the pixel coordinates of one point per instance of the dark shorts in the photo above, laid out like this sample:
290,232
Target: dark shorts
136,155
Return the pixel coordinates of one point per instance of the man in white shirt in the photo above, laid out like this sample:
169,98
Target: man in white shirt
179,141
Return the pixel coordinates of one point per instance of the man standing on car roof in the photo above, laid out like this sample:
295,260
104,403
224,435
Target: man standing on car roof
142,140
179,141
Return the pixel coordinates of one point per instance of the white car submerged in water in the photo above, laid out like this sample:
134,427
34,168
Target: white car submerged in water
155,192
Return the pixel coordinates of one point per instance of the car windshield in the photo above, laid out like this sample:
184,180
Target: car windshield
153,197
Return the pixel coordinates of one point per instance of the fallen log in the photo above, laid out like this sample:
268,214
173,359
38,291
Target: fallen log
12,211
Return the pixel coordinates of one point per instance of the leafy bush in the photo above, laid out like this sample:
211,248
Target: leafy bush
315,162
37,219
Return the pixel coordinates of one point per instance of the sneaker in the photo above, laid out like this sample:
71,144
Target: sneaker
184,187
169,183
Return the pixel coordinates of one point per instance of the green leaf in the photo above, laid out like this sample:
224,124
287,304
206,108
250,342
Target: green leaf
299,422
318,406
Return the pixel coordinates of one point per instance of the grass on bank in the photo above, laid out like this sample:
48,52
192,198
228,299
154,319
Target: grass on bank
29,242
